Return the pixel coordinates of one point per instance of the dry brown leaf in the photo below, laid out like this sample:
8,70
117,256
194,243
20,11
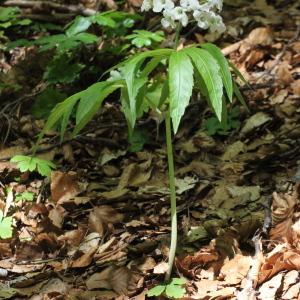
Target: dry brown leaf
100,280
161,268
134,175
64,186
262,36
284,74
236,269
100,217
73,238
296,87
56,215
233,150
85,259
120,280
269,289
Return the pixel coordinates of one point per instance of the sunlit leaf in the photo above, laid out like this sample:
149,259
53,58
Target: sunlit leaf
209,71
180,85
224,67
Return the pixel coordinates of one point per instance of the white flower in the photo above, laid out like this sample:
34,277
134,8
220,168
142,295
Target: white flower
168,22
216,24
190,5
202,18
177,14
147,5
159,5
203,13
215,3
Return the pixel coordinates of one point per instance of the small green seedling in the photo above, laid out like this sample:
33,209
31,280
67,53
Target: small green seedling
174,289
28,163
145,38
5,226
25,196
213,126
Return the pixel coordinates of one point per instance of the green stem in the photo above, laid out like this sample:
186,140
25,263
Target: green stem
173,245
177,36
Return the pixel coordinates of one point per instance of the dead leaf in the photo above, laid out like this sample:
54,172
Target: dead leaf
262,36
64,186
255,121
100,217
236,269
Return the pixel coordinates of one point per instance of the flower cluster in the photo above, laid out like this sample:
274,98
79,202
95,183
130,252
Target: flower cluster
180,11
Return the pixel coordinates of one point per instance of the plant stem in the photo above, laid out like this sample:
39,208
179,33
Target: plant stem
173,245
177,36
171,174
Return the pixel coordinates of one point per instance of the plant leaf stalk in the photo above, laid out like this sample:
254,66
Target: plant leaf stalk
173,245
171,175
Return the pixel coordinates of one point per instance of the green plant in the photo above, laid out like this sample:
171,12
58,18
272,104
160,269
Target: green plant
9,16
145,38
174,289
213,126
28,163
5,226
175,74
25,196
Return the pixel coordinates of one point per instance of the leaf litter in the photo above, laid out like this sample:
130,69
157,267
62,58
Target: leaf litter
100,228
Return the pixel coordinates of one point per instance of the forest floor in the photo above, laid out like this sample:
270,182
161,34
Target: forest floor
99,227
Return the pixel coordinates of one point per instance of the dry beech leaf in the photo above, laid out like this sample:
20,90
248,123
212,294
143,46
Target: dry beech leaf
100,280
283,206
284,73
120,280
73,238
161,268
269,289
56,215
64,186
133,175
236,269
85,259
101,216
262,36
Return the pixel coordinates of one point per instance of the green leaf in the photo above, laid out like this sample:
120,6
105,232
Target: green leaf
26,196
86,38
224,67
62,70
178,281
91,100
44,170
60,111
5,227
156,291
239,96
8,13
28,163
180,85
239,74
134,83
104,21
45,102
209,70
137,140
175,291
80,24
